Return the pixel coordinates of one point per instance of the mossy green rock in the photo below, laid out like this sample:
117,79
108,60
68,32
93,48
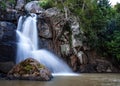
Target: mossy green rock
30,69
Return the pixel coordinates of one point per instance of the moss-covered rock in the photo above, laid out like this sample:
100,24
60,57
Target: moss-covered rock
30,69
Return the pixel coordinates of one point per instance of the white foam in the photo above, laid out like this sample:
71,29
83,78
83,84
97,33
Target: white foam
28,47
65,74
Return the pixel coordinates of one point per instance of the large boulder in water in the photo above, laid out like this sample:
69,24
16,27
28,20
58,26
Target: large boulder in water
30,69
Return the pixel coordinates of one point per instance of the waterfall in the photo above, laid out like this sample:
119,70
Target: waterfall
27,37
28,46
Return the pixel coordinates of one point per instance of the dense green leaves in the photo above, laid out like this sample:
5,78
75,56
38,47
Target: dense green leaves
100,23
4,3
117,6
46,3
114,45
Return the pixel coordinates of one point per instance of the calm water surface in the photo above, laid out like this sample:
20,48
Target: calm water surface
80,80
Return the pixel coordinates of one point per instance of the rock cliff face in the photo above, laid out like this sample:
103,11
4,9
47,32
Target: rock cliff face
7,41
59,34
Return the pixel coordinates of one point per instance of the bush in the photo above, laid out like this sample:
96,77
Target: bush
114,45
46,4
3,3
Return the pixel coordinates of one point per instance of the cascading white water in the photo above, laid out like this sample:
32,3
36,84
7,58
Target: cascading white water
28,47
27,32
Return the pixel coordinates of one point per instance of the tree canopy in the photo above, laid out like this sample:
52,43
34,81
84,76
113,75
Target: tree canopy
100,23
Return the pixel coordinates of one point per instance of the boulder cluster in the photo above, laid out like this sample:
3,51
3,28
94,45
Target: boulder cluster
29,69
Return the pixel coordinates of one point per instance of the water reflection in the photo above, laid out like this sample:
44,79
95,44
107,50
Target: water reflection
80,80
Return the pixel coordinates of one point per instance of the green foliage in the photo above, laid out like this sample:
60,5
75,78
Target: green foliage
46,3
12,1
117,6
113,42
40,66
100,23
3,3
114,45
28,67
